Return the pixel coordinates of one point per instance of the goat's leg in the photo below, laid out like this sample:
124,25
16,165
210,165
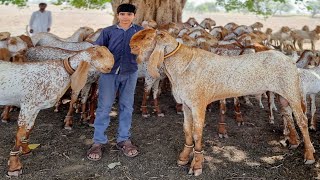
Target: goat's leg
271,116
69,117
5,116
247,100
93,103
302,121
155,89
179,108
222,132
237,111
84,98
144,108
188,128
259,98
57,105
313,125
198,116
289,132
273,104
25,123
84,115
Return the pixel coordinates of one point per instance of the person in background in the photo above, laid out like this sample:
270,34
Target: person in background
122,79
40,20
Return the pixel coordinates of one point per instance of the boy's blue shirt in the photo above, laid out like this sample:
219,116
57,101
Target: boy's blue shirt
117,41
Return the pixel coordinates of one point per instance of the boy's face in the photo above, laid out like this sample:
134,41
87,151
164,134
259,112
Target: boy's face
126,17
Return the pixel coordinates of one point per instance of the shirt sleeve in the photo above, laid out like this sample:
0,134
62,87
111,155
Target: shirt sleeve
32,20
49,19
103,39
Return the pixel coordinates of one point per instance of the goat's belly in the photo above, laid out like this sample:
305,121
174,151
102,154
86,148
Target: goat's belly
7,100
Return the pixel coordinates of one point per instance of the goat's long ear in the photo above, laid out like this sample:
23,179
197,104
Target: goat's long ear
79,78
155,61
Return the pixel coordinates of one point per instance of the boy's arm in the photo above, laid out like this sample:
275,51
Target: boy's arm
103,39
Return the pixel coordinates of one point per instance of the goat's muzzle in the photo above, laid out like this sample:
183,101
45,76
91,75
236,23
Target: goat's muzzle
135,50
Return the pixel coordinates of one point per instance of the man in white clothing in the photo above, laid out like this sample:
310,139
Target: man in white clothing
40,20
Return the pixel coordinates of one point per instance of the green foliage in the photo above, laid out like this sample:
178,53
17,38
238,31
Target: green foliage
86,4
313,7
207,7
19,3
260,7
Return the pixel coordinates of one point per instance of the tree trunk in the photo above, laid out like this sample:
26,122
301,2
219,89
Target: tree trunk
162,11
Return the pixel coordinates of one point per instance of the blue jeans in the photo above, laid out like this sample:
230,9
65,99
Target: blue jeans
109,84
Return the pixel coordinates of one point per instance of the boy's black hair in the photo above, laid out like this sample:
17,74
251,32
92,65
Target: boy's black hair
126,8
42,4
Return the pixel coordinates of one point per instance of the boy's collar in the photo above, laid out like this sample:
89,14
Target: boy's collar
117,25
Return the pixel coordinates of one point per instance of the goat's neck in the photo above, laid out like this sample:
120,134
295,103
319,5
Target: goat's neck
75,37
303,60
75,60
170,46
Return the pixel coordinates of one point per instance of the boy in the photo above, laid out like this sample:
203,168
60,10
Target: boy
122,79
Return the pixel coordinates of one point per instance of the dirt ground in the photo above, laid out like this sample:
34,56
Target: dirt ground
252,151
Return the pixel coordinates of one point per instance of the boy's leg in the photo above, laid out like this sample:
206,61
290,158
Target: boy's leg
107,91
126,100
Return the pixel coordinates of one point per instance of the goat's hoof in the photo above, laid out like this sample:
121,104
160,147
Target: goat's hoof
4,121
223,135
182,163
271,121
312,128
309,161
293,146
145,115
249,104
196,172
91,125
15,173
68,127
160,115
240,123
56,110
275,108
283,142
180,113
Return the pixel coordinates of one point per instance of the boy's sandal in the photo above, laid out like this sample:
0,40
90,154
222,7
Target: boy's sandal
128,148
95,149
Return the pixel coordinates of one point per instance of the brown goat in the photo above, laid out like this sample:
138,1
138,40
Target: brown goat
199,77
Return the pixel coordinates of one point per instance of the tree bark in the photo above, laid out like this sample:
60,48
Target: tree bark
161,11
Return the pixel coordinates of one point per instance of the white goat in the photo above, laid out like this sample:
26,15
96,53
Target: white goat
38,85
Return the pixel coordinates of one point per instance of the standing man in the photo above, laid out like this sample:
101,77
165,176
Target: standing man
40,20
121,79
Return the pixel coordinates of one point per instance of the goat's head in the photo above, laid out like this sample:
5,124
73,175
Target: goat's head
85,32
150,44
317,29
285,29
16,44
257,25
101,58
305,28
4,36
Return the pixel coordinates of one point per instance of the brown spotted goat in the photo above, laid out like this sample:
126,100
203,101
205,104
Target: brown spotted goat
199,77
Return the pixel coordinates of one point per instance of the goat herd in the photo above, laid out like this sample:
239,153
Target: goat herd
203,62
